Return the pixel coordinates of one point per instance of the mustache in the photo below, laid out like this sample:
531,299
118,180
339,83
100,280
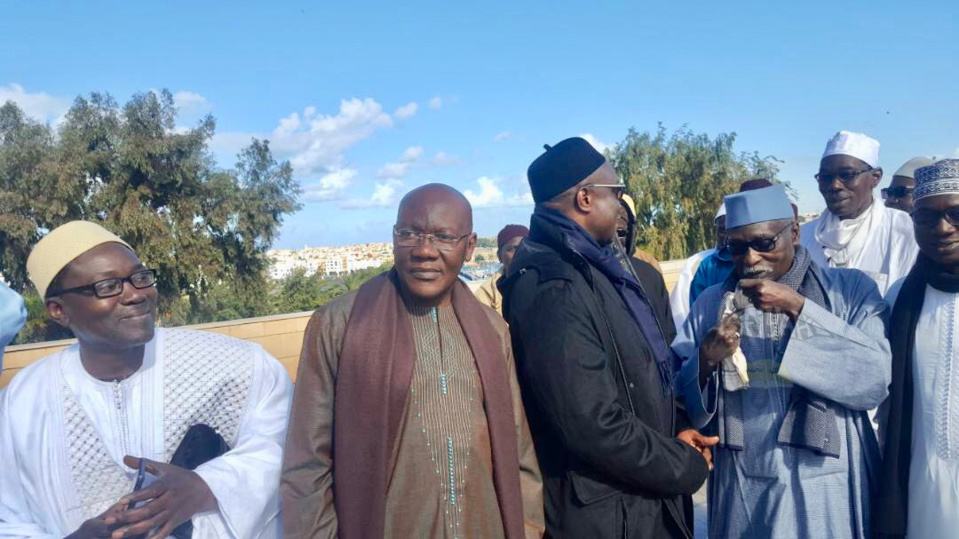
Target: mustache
756,271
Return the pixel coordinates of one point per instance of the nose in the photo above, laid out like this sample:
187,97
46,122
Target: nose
751,258
132,294
425,249
943,228
835,185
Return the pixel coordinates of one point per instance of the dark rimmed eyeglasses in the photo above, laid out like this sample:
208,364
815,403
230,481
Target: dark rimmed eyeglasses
760,245
405,237
930,218
896,192
107,288
619,189
846,176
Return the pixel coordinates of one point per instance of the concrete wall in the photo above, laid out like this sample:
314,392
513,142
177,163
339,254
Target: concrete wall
280,335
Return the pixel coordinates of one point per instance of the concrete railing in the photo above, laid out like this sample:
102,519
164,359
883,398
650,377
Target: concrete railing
280,335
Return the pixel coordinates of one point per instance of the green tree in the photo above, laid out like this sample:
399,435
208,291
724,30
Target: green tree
678,181
134,171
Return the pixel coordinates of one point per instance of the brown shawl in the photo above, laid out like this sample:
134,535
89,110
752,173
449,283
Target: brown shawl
372,384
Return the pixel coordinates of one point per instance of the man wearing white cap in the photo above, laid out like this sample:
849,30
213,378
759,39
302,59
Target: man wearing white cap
854,231
919,487
899,193
135,428
679,298
782,360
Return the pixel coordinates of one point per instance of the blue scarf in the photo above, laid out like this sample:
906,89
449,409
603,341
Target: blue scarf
615,267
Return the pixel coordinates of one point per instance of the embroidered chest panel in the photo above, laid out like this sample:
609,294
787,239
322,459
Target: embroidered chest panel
206,380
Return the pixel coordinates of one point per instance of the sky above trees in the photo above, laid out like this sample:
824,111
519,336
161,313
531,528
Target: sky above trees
370,99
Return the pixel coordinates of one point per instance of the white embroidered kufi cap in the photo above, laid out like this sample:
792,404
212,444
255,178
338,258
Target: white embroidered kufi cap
940,178
857,145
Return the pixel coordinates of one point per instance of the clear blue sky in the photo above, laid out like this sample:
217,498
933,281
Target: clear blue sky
493,81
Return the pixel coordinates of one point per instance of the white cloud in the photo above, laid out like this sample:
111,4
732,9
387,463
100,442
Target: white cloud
40,106
315,143
600,146
384,195
505,135
190,103
443,159
406,111
330,187
401,168
491,196
436,103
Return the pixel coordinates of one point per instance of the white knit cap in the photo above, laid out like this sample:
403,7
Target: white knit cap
61,246
857,145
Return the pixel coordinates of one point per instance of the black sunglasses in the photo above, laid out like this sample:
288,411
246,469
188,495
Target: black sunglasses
107,288
931,218
846,176
760,245
896,192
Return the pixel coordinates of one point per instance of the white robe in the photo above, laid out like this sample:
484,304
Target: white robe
679,297
885,248
934,470
63,434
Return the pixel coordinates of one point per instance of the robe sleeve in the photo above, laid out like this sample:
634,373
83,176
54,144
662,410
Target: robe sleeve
13,315
307,482
16,520
568,374
530,478
701,402
245,480
846,360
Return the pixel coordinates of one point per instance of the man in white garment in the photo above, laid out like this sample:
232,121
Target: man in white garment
76,425
679,301
855,230
919,488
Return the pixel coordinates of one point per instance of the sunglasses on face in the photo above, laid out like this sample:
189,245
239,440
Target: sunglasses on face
107,288
760,245
930,218
619,189
846,176
896,192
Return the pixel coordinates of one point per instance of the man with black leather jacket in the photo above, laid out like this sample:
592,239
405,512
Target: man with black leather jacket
591,339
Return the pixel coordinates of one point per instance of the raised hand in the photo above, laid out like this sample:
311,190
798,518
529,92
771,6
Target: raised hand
773,297
719,343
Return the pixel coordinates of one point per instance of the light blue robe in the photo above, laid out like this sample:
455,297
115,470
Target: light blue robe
12,316
769,489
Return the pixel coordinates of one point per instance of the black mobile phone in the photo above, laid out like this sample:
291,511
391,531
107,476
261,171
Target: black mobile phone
141,477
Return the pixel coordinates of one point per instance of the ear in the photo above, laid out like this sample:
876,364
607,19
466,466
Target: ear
583,200
796,234
471,246
57,312
876,177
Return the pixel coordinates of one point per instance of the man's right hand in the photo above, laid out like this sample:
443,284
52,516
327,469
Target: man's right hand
719,343
101,526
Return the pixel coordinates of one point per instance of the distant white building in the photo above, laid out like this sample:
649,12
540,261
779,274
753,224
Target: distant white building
334,265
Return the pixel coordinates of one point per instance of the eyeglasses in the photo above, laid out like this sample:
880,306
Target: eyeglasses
405,237
107,288
619,189
846,176
931,218
760,245
896,192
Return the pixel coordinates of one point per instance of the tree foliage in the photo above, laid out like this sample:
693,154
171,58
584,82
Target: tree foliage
678,182
155,184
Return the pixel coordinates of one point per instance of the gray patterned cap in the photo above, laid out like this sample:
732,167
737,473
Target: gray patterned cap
939,178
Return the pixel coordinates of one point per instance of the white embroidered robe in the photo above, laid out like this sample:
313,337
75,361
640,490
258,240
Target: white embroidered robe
63,434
